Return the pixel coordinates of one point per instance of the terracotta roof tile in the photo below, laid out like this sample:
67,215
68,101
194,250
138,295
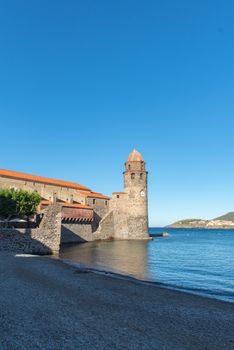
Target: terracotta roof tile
41,179
94,195
68,205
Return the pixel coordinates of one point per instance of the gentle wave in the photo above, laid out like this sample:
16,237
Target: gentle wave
196,261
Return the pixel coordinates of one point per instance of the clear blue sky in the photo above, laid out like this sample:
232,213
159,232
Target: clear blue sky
84,82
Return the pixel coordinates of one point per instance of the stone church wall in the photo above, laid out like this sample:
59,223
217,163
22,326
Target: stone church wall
47,191
125,216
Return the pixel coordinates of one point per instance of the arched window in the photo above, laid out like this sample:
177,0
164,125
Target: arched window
132,176
129,167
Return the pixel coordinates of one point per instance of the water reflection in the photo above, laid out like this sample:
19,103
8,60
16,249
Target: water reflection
194,260
127,257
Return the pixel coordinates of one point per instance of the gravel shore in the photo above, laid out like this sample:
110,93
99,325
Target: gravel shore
46,304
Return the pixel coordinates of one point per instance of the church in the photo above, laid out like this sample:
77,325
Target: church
88,215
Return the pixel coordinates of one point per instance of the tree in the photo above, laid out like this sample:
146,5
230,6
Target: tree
7,205
26,203
18,203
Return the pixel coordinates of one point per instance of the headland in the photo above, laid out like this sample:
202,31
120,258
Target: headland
225,221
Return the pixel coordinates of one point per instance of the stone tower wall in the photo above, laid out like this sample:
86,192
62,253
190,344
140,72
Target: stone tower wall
128,216
135,185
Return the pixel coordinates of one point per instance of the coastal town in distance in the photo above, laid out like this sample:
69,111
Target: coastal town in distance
116,179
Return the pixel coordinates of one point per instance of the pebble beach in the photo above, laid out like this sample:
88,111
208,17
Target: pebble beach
47,304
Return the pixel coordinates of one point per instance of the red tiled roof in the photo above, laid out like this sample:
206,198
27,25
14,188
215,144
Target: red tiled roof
41,179
74,212
68,205
94,195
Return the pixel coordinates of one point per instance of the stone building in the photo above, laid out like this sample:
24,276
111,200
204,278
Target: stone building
89,215
127,217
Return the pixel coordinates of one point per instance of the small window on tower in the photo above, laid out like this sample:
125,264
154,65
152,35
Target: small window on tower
141,176
117,196
132,176
129,167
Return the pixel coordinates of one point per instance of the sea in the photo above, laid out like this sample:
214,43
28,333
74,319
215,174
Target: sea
197,261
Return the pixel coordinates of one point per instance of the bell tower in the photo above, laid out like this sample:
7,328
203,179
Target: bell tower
135,186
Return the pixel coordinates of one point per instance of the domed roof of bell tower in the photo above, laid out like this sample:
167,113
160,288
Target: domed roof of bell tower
135,156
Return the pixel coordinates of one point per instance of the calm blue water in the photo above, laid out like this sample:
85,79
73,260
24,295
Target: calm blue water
195,260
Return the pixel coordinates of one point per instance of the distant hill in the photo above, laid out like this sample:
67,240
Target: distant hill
187,223
224,221
227,217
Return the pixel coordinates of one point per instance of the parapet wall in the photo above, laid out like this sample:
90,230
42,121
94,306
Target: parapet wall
43,240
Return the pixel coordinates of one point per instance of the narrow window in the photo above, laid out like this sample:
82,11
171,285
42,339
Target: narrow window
141,176
106,202
129,167
94,201
132,176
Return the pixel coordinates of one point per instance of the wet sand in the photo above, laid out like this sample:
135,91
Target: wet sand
46,304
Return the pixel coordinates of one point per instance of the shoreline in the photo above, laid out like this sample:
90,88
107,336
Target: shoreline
45,302
115,274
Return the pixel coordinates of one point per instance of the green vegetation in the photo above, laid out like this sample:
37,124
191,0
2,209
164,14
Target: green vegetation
18,203
184,223
227,217
187,221
199,223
